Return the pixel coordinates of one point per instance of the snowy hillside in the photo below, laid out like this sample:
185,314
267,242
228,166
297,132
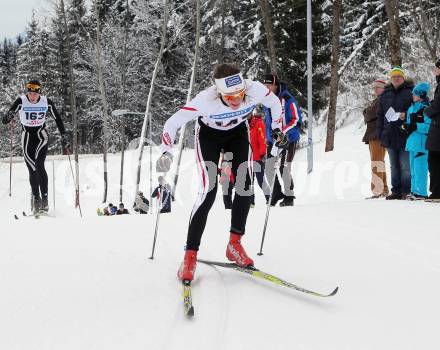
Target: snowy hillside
74,284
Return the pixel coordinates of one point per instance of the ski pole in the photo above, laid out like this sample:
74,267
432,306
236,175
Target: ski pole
156,229
76,190
10,161
275,166
53,182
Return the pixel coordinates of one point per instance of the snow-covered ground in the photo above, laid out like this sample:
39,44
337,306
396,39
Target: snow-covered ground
72,283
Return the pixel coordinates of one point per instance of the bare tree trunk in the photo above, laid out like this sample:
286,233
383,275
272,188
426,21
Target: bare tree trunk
147,117
268,27
123,83
72,106
334,77
425,25
392,9
221,57
188,97
104,110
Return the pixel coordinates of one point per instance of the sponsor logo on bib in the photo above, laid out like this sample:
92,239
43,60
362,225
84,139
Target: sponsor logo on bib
34,109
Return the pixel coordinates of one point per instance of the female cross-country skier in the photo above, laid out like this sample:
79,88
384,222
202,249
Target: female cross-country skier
222,112
33,108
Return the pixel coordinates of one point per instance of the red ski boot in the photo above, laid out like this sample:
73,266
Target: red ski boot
188,266
236,253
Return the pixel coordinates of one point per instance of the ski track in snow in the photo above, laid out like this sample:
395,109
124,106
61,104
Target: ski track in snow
87,284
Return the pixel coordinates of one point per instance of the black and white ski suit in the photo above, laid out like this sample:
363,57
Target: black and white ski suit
220,128
34,138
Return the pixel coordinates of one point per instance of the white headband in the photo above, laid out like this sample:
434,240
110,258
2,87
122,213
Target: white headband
231,85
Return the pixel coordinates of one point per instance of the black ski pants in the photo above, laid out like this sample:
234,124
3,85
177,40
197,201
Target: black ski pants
209,143
34,144
285,172
434,173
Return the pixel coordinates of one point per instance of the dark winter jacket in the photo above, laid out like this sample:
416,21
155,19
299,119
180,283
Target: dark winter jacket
433,112
292,117
390,132
122,211
370,118
166,197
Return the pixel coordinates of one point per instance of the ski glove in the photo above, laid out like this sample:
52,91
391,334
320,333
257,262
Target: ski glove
409,128
417,117
164,162
7,118
65,141
280,139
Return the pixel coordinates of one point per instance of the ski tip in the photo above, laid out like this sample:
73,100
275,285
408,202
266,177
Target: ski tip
334,292
190,312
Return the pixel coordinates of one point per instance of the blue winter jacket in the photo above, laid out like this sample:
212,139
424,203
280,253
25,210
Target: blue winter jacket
292,117
417,139
390,132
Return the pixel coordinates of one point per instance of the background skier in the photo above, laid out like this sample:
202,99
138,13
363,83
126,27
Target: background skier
33,108
290,120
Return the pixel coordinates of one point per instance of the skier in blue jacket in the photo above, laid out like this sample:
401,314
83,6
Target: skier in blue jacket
417,127
291,119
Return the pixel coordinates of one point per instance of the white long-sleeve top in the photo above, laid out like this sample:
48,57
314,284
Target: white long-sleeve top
215,114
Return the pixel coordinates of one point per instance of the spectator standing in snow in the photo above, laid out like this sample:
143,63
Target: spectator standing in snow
393,105
417,127
379,186
290,121
163,190
433,140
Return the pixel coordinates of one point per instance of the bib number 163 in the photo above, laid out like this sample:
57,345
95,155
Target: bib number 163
35,115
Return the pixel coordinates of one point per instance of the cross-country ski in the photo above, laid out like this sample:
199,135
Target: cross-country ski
252,271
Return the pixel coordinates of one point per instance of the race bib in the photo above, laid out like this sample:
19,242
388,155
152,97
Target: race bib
33,114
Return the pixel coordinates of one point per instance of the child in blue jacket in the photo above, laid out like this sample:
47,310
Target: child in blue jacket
417,126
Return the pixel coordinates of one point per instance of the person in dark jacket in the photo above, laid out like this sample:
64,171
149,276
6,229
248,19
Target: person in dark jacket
433,141
291,119
164,191
122,210
393,105
379,186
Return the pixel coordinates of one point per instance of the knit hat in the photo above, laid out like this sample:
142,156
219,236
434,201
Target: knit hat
379,83
421,90
396,71
271,79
